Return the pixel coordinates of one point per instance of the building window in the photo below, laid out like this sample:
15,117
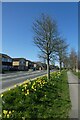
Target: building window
15,63
9,60
22,62
4,59
26,63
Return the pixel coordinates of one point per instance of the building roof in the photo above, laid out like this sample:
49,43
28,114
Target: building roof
40,63
28,60
4,55
17,59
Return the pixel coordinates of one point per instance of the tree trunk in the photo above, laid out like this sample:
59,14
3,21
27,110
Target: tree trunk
60,65
48,70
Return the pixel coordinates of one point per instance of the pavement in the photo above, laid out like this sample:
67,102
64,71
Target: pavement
9,80
74,88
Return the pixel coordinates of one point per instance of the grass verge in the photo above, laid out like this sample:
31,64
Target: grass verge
77,74
38,99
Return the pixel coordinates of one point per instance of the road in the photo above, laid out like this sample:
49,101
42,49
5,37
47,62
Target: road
11,79
73,87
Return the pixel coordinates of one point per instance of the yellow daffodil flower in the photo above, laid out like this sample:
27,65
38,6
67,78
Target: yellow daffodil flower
15,85
25,85
29,83
25,88
26,94
20,84
5,111
22,89
7,115
34,89
9,112
27,91
1,95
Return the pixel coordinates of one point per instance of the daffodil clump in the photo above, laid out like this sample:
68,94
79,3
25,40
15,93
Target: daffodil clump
56,75
30,87
39,83
7,114
38,98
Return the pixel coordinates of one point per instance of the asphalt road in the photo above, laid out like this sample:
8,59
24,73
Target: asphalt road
73,87
11,79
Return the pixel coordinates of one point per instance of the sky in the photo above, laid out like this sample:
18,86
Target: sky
17,22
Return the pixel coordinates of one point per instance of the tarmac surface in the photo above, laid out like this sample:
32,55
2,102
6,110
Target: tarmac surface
9,80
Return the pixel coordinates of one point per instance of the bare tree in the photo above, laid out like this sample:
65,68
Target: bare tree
45,36
66,61
73,59
61,50
79,60
42,57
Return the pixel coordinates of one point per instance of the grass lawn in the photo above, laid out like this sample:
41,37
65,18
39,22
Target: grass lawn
38,99
77,74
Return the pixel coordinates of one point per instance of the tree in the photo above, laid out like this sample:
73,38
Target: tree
73,60
61,50
66,61
45,30
79,60
42,57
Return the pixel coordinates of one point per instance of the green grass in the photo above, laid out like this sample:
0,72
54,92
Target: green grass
77,74
38,99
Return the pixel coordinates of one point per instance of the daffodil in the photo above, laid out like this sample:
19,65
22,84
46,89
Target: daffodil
20,84
45,95
25,88
24,82
5,111
34,89
27,91
7,115
22,89
26,94
15,85
1,95
25,85
29,83
9,112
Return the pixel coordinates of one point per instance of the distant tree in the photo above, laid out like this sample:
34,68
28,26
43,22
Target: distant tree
79,60
66,61
45,30
61,50
73,59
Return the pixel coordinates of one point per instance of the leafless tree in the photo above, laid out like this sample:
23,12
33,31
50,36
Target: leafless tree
45,30
61,50
73,59
79,60
66,61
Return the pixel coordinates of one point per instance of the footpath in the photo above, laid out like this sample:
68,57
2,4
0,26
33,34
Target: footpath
74,95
